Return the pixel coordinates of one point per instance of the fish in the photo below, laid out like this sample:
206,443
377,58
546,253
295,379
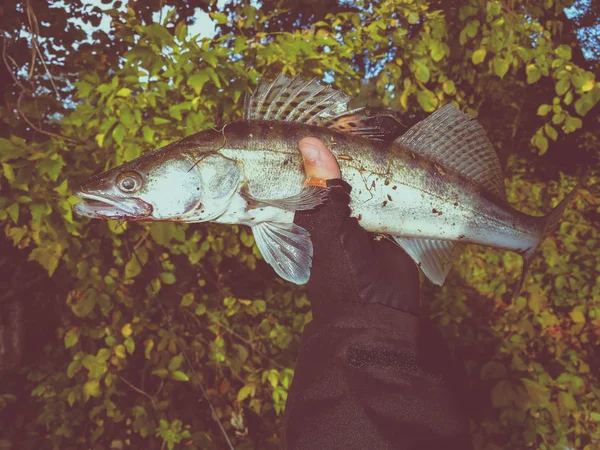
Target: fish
433,189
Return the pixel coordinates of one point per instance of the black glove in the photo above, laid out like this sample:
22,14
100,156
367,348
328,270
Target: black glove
369,374
349,266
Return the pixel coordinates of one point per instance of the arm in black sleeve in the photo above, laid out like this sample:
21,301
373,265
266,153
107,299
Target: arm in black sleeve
369,374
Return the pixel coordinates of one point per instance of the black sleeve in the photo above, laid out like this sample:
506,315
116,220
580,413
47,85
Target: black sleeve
370,374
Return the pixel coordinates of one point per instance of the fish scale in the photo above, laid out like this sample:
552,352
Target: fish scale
433,189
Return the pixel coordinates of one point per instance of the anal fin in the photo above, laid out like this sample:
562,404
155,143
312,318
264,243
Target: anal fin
287,248
434,257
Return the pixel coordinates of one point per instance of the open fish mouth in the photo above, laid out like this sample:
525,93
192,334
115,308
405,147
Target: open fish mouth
99,207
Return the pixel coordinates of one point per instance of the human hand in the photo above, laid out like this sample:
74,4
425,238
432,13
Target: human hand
349,265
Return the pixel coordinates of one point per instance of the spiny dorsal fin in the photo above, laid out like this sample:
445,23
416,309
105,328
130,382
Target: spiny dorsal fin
310,102
456,140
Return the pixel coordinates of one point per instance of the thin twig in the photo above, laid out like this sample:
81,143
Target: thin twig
24,90
35,31
142,240
39,130
136,389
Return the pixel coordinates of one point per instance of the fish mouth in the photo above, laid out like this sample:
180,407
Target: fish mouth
100,207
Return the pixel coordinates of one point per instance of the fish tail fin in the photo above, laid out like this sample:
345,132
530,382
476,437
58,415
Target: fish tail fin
550,222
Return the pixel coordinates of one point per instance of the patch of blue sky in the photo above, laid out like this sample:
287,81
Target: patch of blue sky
588,37
203,25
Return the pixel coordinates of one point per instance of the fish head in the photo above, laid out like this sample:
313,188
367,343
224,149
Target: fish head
186,181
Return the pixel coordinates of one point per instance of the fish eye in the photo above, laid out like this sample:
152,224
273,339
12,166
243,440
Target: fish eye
129,182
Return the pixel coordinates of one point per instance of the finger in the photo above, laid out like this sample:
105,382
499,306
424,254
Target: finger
319,162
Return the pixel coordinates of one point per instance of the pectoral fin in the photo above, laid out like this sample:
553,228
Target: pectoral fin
287,248
308,198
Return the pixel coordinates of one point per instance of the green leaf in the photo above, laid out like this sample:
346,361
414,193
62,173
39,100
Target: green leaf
564,52
493,370
126,116
180,376
159,34
501,66
160,121
577,316
501,394
245,392
567,400
219,17
148,134
187,299
421,71
537,393
541,142
587,102
181,31
562,86
438,51
478,55
544,109
533,73
197,80
427,100
51,167
13,212
91,389
72,337
148,346
133,268
120,351
119,133
200,310
132,152
103,355
551,131
162,232
175,363
85,305
168,277
259,306
572,124
162,373
129,345
413,18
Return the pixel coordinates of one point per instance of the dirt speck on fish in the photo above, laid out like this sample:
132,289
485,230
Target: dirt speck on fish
251,173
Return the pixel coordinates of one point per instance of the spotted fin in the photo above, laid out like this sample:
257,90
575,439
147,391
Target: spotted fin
434,257
309,197
287,248
456,140
311,103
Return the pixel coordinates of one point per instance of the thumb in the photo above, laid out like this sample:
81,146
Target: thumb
319,162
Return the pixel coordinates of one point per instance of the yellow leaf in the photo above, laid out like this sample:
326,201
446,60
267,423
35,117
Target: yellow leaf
126,330
124,92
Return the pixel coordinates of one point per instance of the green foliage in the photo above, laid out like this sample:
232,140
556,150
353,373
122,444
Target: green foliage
139,296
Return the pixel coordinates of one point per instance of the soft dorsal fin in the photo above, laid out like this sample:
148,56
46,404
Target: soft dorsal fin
310,102
456,140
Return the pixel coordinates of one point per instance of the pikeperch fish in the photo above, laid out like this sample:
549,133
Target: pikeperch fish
435,188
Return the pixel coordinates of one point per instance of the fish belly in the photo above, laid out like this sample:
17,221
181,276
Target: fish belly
399,207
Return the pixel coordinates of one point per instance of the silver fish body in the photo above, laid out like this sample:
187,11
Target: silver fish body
436,187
